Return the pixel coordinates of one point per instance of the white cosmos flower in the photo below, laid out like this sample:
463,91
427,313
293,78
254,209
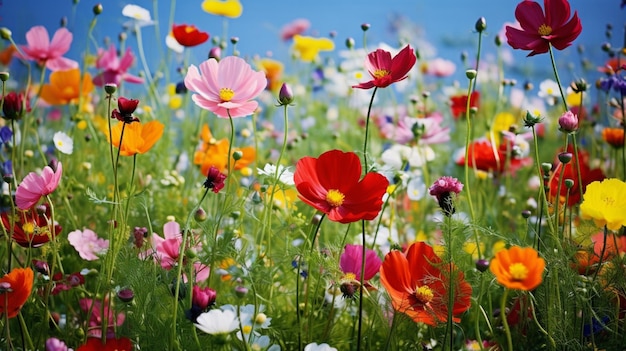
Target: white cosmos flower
63,143
140,15
217,322
321,347
171,43
285,176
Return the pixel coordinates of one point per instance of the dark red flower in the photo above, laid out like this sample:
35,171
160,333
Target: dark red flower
189,35
458,103
112,344
332,184
14,106
587,174
31,227
126,108
386,70
214,179
539,31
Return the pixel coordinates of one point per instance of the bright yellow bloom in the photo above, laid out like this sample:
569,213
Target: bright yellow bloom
308,47
604,202
501,123
138,137
226,8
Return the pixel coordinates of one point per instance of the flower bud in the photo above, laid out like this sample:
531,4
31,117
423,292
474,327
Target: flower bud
285,96
569,183
568,122
530,120
234,40
215,53
97,9
526,214
471,73
481,25
5,33
4,76
565,157
482,265
365,27
126,295
241,291
110,88
350,43
237,155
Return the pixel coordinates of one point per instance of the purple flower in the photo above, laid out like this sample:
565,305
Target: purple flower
568,122
54,344
442,190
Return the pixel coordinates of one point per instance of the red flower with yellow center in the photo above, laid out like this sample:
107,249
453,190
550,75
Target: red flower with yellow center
386,70
332,184
189,35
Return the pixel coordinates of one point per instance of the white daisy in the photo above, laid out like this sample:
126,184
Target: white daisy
140,15
63,143
217,322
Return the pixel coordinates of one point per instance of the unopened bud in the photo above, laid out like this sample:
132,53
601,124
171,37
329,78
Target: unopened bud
285,96
471,73
110,88
5,33
97,9
4,76
350,43
481,25
365,26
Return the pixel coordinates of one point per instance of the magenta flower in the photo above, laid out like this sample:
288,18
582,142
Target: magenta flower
386,70
95,307
442,190
539,31
87,243
49,53
115,69
227,87
35,186
350,264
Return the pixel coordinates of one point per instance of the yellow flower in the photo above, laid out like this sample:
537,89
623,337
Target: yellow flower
284,198
573,99
501,123
308,47
226,8
604,202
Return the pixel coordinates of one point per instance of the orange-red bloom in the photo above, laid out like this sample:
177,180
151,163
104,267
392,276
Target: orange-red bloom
419,285
587,174
518,268
214,153
332,184
614,137
15,288
138,137
189,35
458,103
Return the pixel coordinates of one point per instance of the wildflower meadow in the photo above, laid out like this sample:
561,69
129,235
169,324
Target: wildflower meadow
352,195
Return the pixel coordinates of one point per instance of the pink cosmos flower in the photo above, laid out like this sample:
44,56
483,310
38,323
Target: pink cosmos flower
115,69
35,186
297,26
386,70
351,259
227,87
49,53
538,31
427,130
87,244
94,307
166,250
439,68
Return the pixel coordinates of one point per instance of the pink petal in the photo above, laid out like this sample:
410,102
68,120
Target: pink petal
38,41
61,42
61,64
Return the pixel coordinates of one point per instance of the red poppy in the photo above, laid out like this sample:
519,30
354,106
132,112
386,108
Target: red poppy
30,227
458,103
418,283
332,184
483,157
112,344
189,35
15,288
539,31
587,174
386,70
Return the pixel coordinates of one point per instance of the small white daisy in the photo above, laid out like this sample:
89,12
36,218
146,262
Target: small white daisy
63,143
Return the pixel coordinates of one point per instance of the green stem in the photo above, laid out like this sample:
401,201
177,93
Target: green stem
505,322
556,76
367,125
361,280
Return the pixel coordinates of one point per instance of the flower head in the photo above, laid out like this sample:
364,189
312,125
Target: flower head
214,179
227,87
15,290
54,344
319,347
139,138
538,31
568,122
443,189
35,186
139,15
386,70
226,8
614,137
458,103
31,228
332,185
570,171
95,307
419,284
518,268
66,87
217,322
350,264
112,344
114,69
14,106
604,202
189,35
202,299
125,109
295,27
49,53
63,143
87,243
308,48
213,152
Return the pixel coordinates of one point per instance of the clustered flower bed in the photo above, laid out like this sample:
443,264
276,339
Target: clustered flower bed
328,208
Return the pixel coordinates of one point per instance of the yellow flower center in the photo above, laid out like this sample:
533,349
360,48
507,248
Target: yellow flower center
28,228
379,73
226,94
424,294
349,277
545,29
518,271
247,329
335,198
189,29
608,201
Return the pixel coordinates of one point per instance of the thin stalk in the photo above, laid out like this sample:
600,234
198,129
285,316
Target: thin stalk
361,279
367,126
505,322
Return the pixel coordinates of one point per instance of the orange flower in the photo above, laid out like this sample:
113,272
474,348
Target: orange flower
138,137
420,289
15,289
215,153
7,54
273,71
614,137
65,87
518,268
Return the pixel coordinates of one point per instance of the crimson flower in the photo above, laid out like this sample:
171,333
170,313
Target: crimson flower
112,344
14,106
31,227
386,70
419,285
125,109
189,35
458,103
332,184
539,31
570,171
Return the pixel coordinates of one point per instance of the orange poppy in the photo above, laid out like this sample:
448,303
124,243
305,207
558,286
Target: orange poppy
214,152
614,137
7,54
518,268
65,87
418,283
273,72
15,290
138,137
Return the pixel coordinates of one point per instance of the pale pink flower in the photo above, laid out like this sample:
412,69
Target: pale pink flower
426,130
34,186
227,87
115,69
297,26
49,53
87,243
440,68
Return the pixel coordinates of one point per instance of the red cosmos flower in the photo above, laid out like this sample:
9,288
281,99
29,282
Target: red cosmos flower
31,227
418,283
458,103
15,288
112,344
331,184
587,174
189,35
482,156
386,70
539,31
